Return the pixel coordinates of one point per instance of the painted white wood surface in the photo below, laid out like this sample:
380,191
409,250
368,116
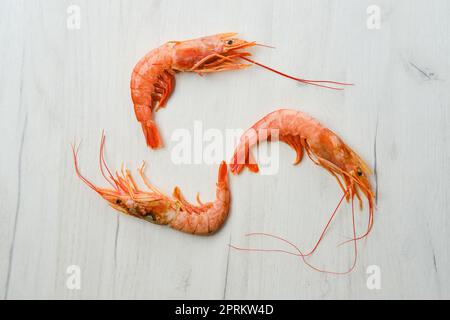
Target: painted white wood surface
59,85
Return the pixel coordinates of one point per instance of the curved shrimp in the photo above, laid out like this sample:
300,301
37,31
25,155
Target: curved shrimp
153,206
324,148
153,78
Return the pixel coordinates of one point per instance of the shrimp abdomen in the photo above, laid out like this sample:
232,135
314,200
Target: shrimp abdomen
152,83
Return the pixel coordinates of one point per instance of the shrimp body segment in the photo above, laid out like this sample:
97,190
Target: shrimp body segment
323,146
153,206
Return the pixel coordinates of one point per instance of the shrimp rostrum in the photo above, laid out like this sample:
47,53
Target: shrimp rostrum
153,206
323,147
153,77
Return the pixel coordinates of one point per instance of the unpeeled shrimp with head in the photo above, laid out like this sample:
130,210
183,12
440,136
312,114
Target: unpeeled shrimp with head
305,134
153,206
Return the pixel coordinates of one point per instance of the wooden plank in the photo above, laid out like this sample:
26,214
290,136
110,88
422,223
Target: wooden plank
59,86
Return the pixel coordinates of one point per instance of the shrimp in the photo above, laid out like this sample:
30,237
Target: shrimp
153,78
155,207
324,148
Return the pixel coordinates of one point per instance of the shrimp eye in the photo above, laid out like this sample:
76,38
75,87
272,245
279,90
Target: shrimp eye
118,201
359,172
230,42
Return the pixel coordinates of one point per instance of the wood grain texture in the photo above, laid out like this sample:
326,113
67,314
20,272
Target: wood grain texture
60,85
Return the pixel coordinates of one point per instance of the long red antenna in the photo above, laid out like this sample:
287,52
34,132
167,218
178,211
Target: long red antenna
302,255
306,81
102,163
366,233
77,169
305,255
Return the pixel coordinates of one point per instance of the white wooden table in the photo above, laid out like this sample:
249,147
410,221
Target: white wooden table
59,84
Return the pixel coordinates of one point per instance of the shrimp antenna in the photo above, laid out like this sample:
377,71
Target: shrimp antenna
305,81
77,169
264,45
366,233
302,255
102,163
355,256
279,238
